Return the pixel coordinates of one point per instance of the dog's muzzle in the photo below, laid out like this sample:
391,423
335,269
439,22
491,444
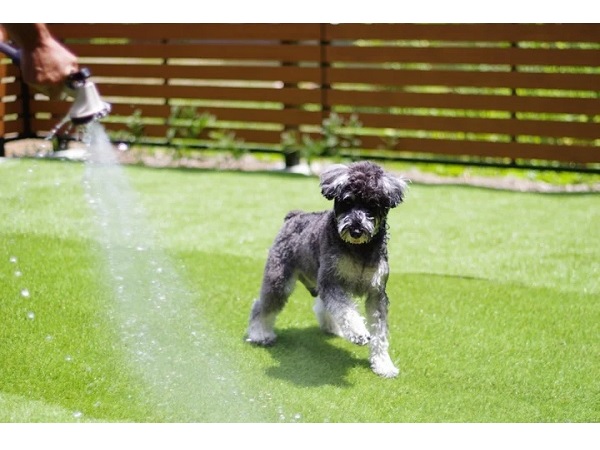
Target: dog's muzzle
357,227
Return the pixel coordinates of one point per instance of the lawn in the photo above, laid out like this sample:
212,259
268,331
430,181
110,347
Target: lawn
125,293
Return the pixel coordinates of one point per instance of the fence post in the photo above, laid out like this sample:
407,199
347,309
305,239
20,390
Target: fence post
166,101
292,157
323,65
26,111
2,108
513,93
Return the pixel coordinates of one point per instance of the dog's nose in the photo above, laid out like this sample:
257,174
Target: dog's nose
355,233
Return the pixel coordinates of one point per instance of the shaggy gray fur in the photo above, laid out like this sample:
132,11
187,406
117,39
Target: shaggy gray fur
338,255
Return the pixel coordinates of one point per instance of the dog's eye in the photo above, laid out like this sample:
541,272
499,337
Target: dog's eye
346,202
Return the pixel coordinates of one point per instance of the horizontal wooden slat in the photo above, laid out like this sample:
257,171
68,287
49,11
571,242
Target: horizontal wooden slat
266,136
12,70
363,99
284,95
13,89
13,126
233,31
352,75
575,154
12,108
282,116
456,101
513,127
485,32
432,55
204,51
256,73
464,78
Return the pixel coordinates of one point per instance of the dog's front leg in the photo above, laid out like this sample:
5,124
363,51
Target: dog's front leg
342,311
377,311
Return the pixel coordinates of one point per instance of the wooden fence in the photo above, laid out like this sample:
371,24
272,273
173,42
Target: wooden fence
506,92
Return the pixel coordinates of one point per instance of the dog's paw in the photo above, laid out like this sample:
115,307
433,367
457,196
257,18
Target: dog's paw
264,342
260,335
359,339
384,367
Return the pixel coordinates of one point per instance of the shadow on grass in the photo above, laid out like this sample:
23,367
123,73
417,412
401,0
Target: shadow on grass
307,357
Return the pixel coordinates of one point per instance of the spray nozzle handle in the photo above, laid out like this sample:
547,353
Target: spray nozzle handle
11,52
78,78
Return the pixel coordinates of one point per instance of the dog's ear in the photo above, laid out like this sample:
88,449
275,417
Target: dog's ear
333,180
394,188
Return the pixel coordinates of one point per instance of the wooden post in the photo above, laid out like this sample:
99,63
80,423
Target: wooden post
513,93
3,73
292,158
325,86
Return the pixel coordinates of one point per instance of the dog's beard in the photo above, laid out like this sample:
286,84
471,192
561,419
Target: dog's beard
357,227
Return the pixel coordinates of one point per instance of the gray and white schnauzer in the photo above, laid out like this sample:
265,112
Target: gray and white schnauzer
338,255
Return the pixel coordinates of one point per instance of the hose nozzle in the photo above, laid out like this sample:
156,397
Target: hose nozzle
87,106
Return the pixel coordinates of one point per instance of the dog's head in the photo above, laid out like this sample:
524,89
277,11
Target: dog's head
363,194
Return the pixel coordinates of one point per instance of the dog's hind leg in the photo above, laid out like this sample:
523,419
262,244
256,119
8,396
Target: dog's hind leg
376,311
278,283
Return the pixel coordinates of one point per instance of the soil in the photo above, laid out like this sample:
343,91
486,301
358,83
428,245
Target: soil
249,162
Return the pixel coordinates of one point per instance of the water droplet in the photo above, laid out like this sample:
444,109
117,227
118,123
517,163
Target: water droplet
139,248
13,259
18,273
30,315
25,293
49,338
68,358
297,416
77,414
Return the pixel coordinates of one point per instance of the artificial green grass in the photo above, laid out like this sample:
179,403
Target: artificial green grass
494,307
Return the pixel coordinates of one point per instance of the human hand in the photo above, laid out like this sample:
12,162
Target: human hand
45,63
46,67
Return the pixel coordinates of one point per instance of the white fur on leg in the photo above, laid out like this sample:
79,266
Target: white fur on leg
261,330
383,366
381,363
353,327
326,322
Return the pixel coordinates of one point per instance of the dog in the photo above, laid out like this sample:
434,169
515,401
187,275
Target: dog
338,255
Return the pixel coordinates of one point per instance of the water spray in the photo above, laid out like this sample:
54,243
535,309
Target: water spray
87,105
